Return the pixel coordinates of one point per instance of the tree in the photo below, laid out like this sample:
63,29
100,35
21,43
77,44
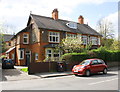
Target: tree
106,29
115,45
70,45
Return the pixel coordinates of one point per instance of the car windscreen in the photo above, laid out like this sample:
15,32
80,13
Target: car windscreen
85,62
8,61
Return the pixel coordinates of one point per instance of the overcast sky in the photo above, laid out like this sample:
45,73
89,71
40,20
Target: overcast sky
15,13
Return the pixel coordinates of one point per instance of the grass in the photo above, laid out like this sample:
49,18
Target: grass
24,69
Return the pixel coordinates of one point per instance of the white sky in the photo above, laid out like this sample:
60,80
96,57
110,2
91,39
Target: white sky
15,13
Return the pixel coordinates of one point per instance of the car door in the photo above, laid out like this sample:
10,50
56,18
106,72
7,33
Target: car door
94,66
101,65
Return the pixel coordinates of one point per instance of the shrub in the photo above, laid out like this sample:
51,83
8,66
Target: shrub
101,53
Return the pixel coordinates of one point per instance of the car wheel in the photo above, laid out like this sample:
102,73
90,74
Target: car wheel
105,71
87,73
75,74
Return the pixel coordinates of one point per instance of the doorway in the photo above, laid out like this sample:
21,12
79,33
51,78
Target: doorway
28,57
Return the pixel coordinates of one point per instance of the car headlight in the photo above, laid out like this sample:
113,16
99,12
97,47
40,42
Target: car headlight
74,66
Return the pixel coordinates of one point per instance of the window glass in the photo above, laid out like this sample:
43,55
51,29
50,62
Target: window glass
54,37
21,54
25,38
94,40
84,39
94,62
36,56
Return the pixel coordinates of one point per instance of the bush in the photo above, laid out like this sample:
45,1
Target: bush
101,53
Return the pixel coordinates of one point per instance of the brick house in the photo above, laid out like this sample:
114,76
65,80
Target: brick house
38,40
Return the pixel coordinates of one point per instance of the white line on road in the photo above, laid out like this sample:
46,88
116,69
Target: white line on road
102,81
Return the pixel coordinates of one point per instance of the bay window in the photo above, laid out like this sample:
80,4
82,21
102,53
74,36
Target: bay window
94,40
84,39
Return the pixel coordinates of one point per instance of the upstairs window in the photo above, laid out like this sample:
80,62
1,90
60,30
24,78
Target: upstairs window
71,35
25,38
54,37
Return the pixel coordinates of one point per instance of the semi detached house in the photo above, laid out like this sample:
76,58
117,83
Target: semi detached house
38,40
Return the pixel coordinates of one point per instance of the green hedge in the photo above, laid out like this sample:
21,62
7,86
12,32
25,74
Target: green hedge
101,53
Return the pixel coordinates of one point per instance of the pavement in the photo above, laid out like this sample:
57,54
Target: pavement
17,74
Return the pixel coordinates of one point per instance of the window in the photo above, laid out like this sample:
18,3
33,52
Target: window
9,43
13,56
72,25
100,62
98,41
25,39
94,40
21,54
71,35
33,37
49,53
54,37
36,56
84,39
94,62
52,53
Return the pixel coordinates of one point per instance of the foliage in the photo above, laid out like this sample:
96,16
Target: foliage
70,45
24,69
101,53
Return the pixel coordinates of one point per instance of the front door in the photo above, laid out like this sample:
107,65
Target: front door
27,58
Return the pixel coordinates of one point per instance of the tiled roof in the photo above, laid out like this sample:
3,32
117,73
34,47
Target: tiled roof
60,25
7,37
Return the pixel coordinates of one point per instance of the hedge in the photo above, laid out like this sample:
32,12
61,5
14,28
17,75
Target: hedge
101,53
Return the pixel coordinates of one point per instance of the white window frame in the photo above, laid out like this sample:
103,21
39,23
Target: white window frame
21,50
52,52
94,40
68,35
99,41
56,35
85,38
26,38
36,56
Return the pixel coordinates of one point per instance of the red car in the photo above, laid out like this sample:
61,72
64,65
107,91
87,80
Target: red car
90,66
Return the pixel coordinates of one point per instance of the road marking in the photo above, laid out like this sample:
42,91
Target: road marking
102,81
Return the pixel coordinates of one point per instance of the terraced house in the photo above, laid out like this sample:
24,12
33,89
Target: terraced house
38,40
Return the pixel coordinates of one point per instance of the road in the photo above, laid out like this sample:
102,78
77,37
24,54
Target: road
71,82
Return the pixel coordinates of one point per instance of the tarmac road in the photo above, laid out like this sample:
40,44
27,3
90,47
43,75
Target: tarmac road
71,82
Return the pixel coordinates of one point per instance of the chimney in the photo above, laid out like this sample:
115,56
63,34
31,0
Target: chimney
55,14
81,19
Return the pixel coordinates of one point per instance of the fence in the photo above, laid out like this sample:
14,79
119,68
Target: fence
39,67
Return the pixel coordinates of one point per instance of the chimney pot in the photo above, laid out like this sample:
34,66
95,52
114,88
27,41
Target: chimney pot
55,14
81,19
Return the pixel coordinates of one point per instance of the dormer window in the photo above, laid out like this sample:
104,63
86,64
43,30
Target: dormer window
25,38
72,25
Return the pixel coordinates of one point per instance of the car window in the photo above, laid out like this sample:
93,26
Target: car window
85,62
100,62
94,62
